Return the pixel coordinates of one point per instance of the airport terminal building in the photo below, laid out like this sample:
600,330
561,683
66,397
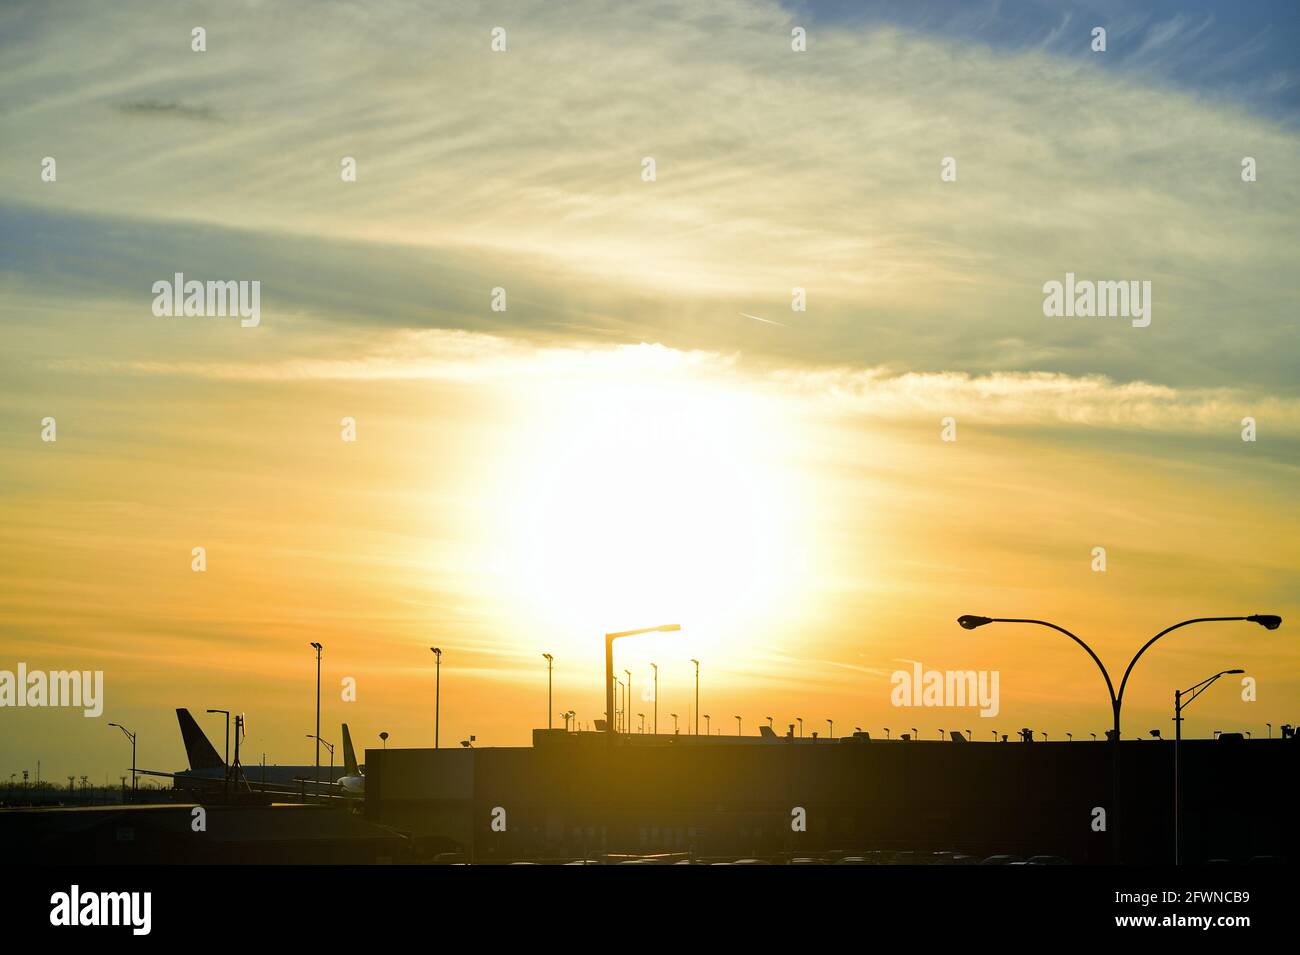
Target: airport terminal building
576,795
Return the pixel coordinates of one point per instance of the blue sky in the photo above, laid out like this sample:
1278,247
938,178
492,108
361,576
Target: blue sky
1219,48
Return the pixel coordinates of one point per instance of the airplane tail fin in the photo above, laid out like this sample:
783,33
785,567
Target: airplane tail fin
350,767
202,754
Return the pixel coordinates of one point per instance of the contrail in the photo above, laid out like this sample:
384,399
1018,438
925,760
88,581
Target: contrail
767,321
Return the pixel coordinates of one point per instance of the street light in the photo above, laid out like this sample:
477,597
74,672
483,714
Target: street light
227,713
550,665
655,694
627,707
831,724
318,648
697,695
972,621
131,737
769,722
1179,703
383,737
618,703
674,716
642,715
707,730
330,747
799,720
437,692
609,671
227,756
739,732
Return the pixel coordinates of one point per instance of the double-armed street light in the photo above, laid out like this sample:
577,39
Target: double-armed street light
973,621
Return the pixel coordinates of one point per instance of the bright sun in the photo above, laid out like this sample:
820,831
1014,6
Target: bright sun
640,497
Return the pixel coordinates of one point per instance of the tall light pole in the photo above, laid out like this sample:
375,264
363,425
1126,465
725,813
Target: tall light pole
1179,703
227,755
655,667
708,731
609,671
383,738
799,720
618,704
739,732
627,707
769,722
131,737
318,648
550,664
831,724
674,716
642,715
697,695
437,692
972,621
227,714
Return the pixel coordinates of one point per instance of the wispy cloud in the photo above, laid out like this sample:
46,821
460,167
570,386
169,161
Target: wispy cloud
775,170
169,110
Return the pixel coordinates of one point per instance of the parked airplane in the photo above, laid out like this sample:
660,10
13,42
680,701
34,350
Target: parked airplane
208,771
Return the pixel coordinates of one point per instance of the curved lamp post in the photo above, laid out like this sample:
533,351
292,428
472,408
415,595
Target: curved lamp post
972,621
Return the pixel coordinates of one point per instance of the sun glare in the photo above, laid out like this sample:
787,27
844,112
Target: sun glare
637,498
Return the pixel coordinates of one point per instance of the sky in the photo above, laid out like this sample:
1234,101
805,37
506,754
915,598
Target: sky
648,432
